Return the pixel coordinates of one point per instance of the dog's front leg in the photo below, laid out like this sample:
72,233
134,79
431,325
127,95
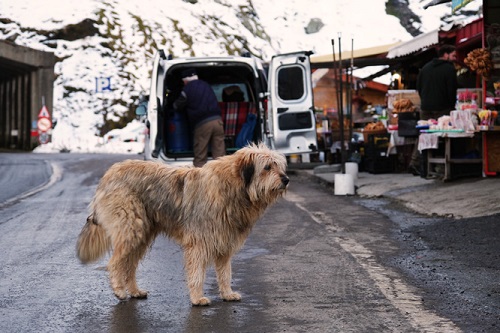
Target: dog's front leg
196,266
223,271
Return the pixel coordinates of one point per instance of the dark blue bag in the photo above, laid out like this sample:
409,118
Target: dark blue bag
246,134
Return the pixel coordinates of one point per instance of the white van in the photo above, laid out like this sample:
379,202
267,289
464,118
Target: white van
282,103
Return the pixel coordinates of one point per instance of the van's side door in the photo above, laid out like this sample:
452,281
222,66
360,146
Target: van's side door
154,107
291,121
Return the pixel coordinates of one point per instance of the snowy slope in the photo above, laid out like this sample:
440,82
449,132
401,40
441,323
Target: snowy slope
130,31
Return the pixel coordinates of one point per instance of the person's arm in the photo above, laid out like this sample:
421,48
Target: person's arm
181,101
419,83
452,87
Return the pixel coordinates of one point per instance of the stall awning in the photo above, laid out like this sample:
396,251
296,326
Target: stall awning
371,56
416,44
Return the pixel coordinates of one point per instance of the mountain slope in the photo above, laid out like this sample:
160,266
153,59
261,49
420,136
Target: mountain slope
117,40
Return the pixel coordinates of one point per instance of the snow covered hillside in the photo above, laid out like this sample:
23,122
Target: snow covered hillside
116,39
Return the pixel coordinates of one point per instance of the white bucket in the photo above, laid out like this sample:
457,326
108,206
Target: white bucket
344,184
351,168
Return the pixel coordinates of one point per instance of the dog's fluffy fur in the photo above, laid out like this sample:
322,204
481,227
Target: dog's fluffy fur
209,211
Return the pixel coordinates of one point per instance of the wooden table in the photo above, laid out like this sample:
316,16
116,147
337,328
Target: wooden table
446,155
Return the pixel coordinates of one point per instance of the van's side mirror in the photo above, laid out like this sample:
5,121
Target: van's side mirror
142,109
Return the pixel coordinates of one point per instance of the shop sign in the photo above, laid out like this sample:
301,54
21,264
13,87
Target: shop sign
457,4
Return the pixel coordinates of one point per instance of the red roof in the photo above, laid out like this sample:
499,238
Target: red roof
471,31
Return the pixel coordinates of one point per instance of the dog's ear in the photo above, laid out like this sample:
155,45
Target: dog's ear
245,165
246,168
247,172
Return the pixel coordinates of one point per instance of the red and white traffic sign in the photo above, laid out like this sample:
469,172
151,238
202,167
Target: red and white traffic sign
44,112
44,124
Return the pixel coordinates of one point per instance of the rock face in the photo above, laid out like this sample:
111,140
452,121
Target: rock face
118,42
408,19
72,32
315,25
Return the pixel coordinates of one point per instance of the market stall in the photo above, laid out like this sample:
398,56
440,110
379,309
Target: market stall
458,149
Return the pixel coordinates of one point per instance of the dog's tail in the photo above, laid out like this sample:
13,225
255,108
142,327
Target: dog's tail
93,242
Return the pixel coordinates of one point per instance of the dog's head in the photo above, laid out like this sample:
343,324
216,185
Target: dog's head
263,172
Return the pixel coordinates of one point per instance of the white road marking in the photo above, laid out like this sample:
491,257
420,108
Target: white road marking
55,177
403,297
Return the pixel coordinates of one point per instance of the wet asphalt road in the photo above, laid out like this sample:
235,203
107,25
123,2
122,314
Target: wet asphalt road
315,262
22,177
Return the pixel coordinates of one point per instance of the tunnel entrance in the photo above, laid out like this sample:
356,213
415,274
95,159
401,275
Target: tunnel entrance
26,80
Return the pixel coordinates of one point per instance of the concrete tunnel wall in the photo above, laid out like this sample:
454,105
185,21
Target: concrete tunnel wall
26,76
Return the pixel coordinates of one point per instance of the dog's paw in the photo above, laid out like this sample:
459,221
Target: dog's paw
204,301
139,294
232,297
121,294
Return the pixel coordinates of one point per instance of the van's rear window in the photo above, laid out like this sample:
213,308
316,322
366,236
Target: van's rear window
290,83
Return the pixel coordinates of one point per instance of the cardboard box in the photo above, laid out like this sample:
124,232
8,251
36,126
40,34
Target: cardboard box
377,145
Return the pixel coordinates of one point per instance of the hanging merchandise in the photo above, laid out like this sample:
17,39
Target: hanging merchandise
479,61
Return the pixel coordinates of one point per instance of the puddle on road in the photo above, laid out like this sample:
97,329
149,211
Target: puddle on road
400,215
406,227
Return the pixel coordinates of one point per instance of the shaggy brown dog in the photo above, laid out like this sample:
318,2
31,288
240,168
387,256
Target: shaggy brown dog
209,211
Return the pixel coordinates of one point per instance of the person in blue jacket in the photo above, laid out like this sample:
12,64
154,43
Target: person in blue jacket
200,103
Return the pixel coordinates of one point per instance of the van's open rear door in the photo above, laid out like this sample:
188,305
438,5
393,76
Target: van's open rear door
291,121
154,116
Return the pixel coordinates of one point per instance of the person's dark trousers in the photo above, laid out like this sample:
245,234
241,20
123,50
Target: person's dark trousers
415,162
423,164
